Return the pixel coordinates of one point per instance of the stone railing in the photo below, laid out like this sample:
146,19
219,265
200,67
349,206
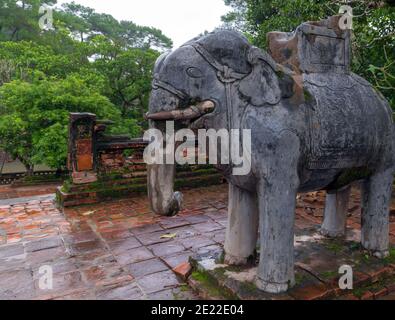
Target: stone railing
106,167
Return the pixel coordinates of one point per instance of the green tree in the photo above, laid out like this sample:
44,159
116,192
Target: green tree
85,23
374,48
374,30
89,62
129,75
30,59
34,117
19,19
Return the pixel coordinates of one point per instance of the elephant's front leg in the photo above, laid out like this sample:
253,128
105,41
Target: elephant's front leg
277,200
242,231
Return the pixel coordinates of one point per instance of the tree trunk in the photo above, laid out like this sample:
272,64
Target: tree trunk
29,168
29,171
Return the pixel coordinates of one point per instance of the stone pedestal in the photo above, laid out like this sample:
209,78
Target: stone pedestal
318,261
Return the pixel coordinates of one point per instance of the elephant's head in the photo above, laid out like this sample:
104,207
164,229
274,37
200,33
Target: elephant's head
196,85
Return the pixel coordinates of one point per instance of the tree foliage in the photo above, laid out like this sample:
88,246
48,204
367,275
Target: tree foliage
34,117
373,26
89,62
19,19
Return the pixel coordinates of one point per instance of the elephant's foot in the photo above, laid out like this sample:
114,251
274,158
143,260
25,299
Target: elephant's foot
176,204
272,287
164,201
236,261
374,252
381,254
332,233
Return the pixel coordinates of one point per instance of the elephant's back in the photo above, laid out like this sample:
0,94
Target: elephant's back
349,123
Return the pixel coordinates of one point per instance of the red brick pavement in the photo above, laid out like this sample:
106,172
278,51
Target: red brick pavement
119,249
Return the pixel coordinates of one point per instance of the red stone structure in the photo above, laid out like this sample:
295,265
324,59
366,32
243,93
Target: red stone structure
106,166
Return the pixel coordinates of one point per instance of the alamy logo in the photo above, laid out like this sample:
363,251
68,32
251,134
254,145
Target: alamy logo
180,147
346,281
46,20
346,20
45,281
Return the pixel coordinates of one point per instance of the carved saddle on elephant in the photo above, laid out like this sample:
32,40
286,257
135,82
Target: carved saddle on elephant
315,47
317,55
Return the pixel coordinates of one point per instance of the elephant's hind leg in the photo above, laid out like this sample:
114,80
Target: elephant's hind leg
376,198
335,216
242,231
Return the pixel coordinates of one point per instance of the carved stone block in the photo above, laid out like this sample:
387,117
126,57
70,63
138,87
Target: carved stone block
315,47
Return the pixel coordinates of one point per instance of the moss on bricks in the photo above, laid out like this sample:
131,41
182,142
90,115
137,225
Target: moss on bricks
391,258
210,286
335,246
116,186
373,287
66,186
38,180
121,192
299,279
328,275
249,288
139,184
58,199
359,292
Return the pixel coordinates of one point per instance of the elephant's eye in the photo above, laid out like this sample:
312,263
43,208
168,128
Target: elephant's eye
194,72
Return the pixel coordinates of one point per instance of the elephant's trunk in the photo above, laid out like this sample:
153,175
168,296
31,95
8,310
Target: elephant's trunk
164,201
190,113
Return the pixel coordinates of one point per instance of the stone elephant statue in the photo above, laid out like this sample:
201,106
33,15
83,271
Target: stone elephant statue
311,129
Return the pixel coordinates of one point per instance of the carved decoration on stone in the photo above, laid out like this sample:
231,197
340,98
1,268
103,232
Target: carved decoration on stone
315,126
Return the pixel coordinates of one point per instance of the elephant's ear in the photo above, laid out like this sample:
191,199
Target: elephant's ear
261,86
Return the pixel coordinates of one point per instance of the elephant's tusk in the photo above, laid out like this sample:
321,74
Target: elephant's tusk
189,113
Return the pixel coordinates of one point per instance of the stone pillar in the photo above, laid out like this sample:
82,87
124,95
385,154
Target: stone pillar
81,157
